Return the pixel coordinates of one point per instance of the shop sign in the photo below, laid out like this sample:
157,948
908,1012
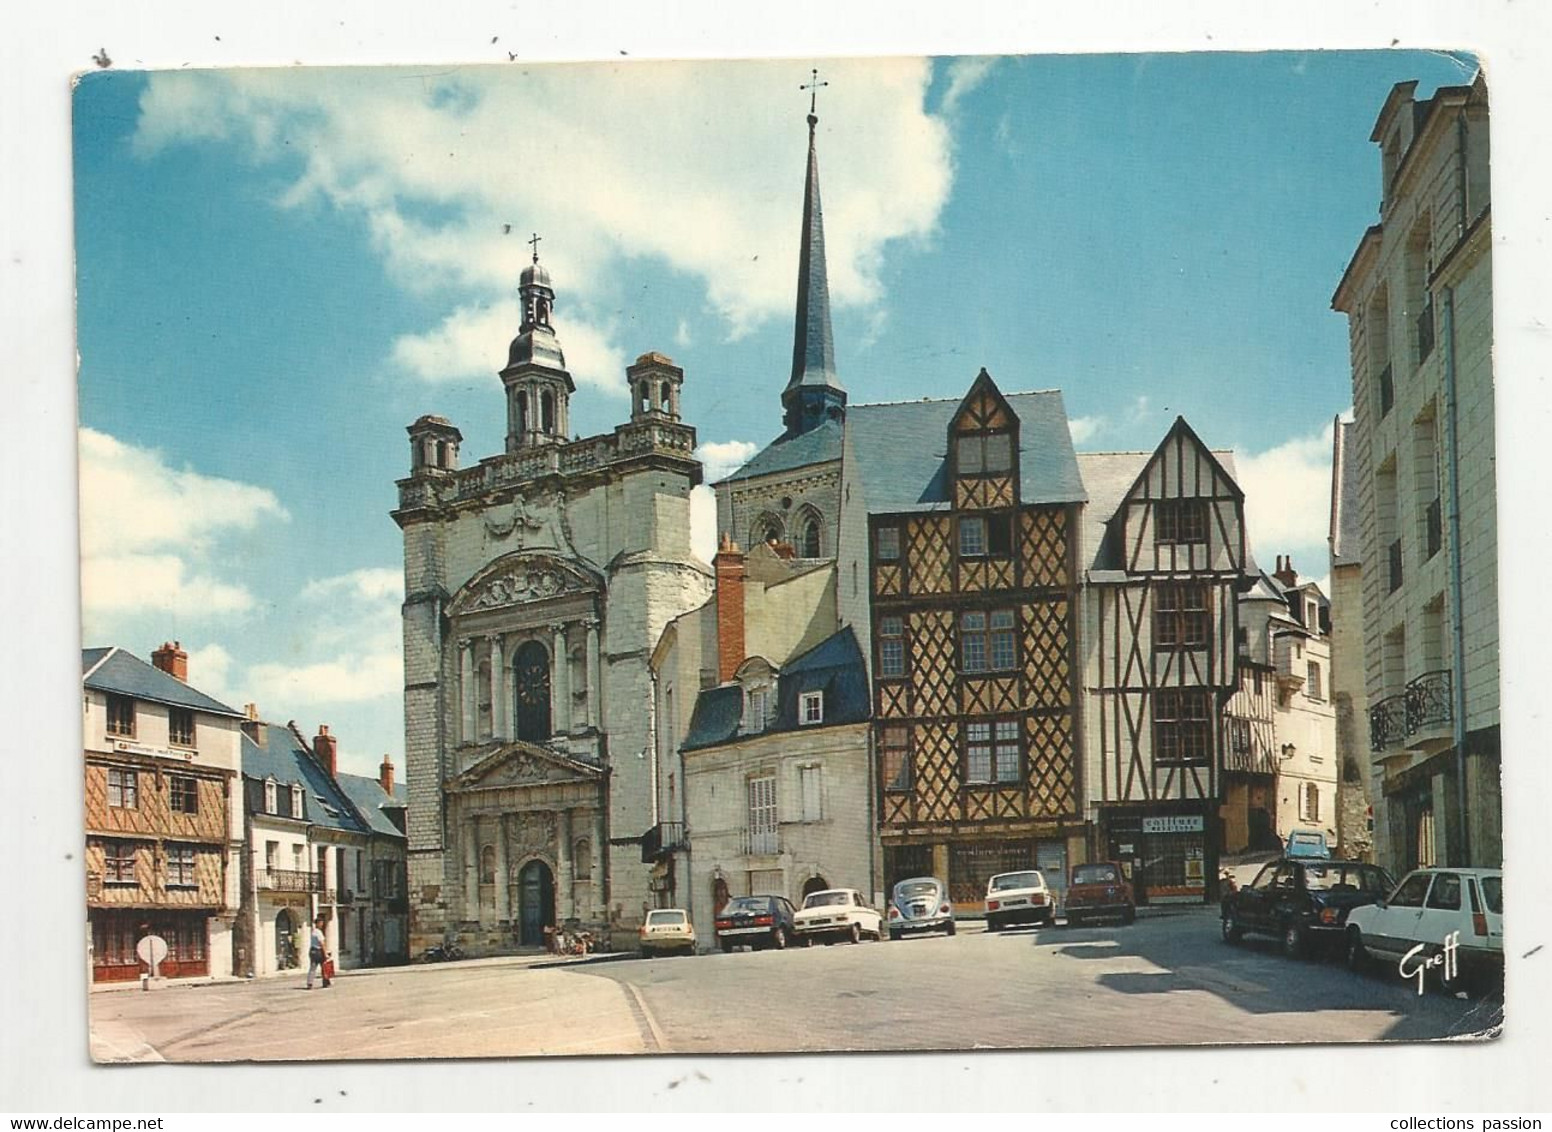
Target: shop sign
1183,823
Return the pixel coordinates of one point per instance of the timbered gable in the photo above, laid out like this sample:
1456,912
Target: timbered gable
983,440
1184,514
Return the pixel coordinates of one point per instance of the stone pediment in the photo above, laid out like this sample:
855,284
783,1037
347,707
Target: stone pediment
525,764
516,579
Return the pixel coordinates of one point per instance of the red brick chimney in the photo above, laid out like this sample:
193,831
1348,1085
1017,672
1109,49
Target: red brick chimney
252,725
324,748
385,776
1286,573
729,567
171,659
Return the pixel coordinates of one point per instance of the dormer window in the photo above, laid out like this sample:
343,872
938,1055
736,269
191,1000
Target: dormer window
270,804
756,701
986,453
296,801
811,708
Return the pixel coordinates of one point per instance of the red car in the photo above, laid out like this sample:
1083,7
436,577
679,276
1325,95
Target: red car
1099,889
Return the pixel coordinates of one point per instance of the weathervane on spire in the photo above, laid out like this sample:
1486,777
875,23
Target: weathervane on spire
535,242
813,94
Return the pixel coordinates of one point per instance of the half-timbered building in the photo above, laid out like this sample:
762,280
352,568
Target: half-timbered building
972,509
1165,554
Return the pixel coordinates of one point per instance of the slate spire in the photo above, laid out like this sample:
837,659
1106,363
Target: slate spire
814,393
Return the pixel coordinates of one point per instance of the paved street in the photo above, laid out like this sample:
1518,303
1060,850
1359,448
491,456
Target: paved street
1167,980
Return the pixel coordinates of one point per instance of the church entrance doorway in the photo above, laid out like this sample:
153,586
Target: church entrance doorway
535,903
532,691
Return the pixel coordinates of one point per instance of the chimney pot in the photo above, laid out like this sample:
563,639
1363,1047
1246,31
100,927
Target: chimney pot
385,776
728,566
171,659
325,748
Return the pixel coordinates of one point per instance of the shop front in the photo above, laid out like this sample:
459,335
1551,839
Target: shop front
116,931
1169,853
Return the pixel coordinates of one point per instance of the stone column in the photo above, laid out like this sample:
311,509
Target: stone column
503,893
471,869
594,681
599,910
467,692
498,685
560,685
565,879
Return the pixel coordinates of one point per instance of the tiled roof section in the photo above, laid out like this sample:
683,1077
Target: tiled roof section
833,666
1346,535
125,674
817,446
902,452
370,799
282,758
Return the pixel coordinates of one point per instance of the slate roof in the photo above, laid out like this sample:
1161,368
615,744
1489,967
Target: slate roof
902,452
833,666
371,801
816,446
284,759
124,674
1346,535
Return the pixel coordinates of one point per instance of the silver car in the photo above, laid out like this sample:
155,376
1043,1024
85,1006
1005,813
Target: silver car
920,904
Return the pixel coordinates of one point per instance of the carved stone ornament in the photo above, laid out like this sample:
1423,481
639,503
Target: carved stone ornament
534,524
520,585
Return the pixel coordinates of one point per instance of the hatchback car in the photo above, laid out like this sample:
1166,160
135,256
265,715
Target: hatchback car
1442,924
667,930
1304,902
1018,898
836,914
920,904
1099,889
755,922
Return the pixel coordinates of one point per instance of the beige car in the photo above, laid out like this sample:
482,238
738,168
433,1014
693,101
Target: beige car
667,931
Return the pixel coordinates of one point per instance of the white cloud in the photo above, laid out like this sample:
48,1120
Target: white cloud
374,584
1288,500
472,343
682,333
724,456
602,160
1083,429
151,534
964,75
346,679
210,670
703,522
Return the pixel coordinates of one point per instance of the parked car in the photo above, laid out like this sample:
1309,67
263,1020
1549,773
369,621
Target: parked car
834,914
1307,843
920,904
667,930
1304,902
1018,898
1444,924
755,922
1099,889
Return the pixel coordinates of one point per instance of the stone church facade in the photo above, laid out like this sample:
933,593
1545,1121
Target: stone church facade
536,583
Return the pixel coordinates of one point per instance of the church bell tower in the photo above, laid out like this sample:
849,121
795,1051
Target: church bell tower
538,386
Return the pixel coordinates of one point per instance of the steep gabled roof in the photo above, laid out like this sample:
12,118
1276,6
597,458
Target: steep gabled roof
371,801
283,757
124,674
819,445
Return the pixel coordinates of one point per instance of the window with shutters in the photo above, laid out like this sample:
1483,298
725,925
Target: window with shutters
762,814
811,790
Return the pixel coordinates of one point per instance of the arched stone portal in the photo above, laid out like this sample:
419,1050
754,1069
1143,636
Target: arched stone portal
535,903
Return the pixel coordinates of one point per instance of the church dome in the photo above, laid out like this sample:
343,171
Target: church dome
535,275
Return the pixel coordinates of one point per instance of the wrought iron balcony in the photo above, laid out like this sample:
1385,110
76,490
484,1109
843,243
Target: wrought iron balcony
761,843
662,839
1387,389
1387,723
1425,332
1433,521
289,880
1428,703
1393,557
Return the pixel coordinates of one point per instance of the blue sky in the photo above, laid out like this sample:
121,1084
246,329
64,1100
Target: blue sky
279,270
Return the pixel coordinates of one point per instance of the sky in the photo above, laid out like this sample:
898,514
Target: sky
278,270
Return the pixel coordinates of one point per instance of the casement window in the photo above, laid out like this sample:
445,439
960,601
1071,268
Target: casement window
897,758
1180,521
118,864
756,701
972,537
180,727
986,641
180,867
296,802
811,792
983,536
121,716
271,856
811,708
1182,726
270,802
184,794
992,751
888,544
123,789
1312,687
984,453
891,646
1180,617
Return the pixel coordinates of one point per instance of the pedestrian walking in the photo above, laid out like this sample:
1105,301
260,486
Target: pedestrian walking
317,954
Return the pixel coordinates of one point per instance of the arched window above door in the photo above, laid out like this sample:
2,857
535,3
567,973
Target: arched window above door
531,691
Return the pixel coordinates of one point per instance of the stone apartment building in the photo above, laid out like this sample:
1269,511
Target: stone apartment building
537,583
163,815
1418,296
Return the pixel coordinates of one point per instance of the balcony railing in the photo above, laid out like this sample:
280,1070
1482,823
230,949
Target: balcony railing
1387,723
289,880
761,843
1433,521
1428,702
662,839
1387,390
1393,555
1425,332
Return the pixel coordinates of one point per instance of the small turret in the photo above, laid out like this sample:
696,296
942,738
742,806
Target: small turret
654,385
433,445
